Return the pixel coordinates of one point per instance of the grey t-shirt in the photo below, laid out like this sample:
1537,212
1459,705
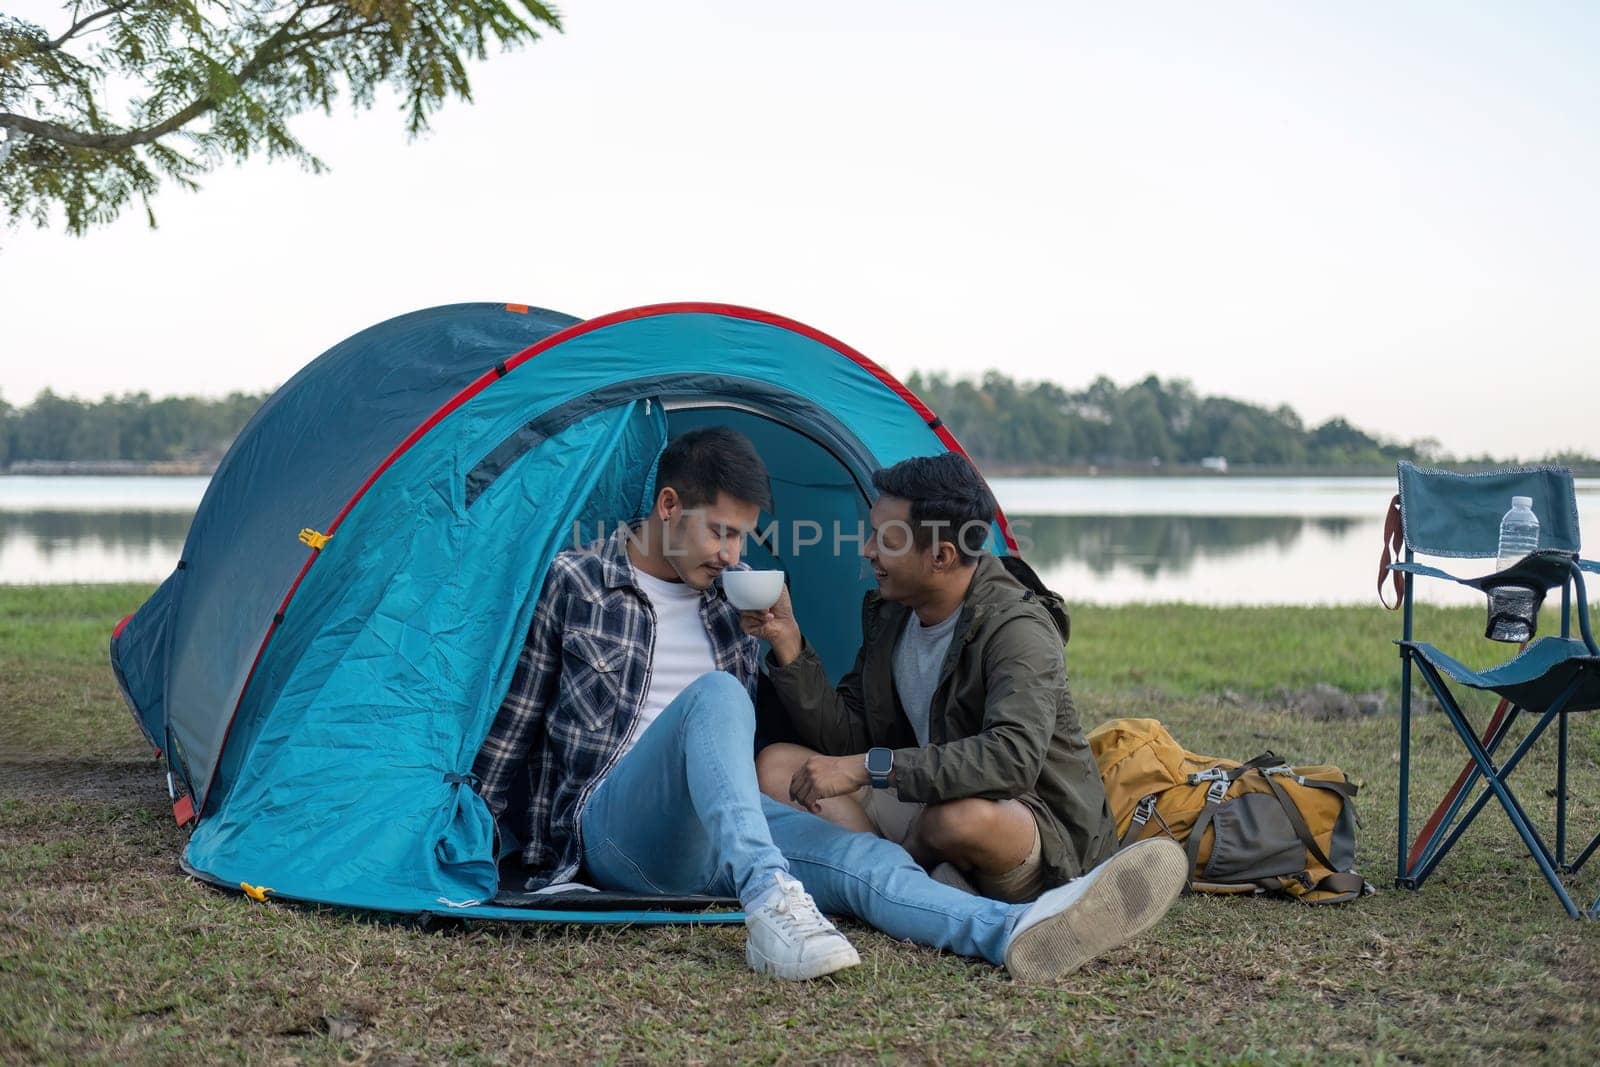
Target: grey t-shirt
918,655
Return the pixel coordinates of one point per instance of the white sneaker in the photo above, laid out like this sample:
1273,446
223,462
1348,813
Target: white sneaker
789,938
1120,899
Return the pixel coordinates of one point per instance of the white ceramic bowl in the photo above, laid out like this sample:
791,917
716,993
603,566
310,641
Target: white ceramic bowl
752,590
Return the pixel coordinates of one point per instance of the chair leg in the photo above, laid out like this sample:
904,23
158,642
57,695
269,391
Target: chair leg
1434,855
1561,795
1507,801
1402,877
1425,859
1583,857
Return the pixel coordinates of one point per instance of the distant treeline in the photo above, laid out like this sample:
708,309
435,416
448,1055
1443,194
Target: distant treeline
1006,423
1003,423
132,427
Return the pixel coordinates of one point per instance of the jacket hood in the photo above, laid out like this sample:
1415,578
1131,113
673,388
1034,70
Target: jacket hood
997,591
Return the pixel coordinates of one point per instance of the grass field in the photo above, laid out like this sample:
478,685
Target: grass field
107,953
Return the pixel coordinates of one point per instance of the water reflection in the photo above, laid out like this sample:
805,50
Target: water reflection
1218,559
54,532
1099,558
90,546
1160,544
1284,541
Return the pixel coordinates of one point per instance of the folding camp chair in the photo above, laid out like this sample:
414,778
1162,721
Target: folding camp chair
1438,513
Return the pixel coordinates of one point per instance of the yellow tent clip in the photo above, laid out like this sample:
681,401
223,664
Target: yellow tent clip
316,540
255,892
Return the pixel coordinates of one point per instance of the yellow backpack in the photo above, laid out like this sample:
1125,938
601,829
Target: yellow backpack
1254,827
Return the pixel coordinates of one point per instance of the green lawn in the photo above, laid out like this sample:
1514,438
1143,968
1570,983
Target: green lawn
108,953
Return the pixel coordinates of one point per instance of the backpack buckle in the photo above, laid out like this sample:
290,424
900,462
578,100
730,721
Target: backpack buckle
1215,774
1145,808
1217,790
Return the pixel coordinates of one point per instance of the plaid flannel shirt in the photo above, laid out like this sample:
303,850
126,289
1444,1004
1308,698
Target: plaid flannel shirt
575,697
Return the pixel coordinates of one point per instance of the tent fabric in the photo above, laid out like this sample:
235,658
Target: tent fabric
325,705
298,459
138,663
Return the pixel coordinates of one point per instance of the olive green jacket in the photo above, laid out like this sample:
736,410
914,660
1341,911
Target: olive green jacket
1002,724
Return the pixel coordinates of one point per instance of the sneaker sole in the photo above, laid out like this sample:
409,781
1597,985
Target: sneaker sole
1132,892
803,969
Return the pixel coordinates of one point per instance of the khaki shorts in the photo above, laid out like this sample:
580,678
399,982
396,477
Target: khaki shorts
893,818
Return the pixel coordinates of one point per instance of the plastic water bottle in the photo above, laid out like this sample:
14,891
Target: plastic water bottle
1513,608
1519,532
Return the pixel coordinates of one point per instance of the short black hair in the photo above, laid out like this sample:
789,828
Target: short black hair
947,494
710,461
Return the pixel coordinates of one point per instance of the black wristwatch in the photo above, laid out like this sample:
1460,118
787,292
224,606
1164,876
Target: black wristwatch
880,761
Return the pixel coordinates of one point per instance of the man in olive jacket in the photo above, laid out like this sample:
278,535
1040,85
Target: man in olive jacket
954,734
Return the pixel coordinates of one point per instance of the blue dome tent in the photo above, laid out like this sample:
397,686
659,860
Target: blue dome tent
322,666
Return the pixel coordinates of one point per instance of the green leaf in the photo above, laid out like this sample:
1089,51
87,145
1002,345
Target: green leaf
224,79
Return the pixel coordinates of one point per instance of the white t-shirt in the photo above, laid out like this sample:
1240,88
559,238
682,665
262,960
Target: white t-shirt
683,648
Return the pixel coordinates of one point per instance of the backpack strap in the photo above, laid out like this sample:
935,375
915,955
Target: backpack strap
1143,812
1344,789
1343,882
1141,815
1298,821
1347,885
1269,765
1221,781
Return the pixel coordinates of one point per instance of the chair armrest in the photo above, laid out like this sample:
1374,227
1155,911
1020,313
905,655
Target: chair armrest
1543,570
1424,570
1578,567
1548,569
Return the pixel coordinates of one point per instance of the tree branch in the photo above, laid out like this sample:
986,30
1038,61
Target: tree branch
108,142
116,142
78,26
301,43
95,129
265,53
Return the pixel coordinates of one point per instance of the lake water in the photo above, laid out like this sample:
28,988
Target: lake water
1226,540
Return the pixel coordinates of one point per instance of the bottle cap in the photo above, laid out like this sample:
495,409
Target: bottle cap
1522,501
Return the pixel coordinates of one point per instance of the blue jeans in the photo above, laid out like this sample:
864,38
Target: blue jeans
682,813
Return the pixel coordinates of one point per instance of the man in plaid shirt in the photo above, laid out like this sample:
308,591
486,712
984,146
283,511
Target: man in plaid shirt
630,720
631,715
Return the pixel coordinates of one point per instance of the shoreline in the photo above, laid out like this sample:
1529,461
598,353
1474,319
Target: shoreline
205,468
110,468
191,468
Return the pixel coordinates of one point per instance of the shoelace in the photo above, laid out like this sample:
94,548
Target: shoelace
798,911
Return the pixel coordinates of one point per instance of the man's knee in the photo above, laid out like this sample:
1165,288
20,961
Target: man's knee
719,696
957,826
989,835
776,765
714,704
720,687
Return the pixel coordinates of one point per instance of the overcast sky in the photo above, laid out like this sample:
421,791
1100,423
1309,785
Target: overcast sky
1320,205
